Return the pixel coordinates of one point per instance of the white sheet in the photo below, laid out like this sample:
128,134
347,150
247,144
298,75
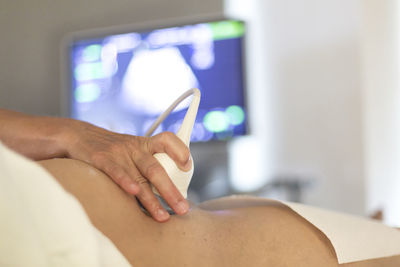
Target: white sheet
43,225
353,238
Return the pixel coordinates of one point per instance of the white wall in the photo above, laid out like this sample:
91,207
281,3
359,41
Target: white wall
311,82
31,34
382,106
329,73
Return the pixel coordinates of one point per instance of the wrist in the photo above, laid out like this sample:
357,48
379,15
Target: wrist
66,135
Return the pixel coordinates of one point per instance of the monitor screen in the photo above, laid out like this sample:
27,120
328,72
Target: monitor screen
123,82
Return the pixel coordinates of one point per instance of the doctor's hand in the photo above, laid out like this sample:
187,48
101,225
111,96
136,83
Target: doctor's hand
129,161
126,159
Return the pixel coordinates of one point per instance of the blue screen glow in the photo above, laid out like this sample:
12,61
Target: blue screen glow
123,82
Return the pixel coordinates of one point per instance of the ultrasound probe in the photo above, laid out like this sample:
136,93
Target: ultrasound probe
181,179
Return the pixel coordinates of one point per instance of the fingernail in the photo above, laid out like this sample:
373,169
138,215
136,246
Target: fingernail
182,207
162,215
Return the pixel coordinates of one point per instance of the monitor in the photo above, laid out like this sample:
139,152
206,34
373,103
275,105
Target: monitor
123,81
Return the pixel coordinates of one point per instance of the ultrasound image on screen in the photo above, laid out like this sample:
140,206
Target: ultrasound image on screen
124,82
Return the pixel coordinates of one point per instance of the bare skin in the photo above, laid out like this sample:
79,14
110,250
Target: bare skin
128,160
217,233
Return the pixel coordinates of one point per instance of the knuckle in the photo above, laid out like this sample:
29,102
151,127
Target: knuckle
184,155
135,141
116,173
146,143
168,134
98,158
141,180
166,137
109,168
153,170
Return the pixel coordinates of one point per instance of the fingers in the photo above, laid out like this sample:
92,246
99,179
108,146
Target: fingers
147,197
133,183
118,175
151,203
129,162
150,168
167,142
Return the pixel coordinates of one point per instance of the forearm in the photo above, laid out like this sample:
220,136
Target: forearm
34,136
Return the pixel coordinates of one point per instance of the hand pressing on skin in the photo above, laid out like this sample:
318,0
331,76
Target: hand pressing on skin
129,161
126,159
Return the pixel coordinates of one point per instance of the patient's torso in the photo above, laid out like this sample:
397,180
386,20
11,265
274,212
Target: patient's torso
266,234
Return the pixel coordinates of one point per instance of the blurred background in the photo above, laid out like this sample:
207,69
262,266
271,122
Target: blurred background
317,85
